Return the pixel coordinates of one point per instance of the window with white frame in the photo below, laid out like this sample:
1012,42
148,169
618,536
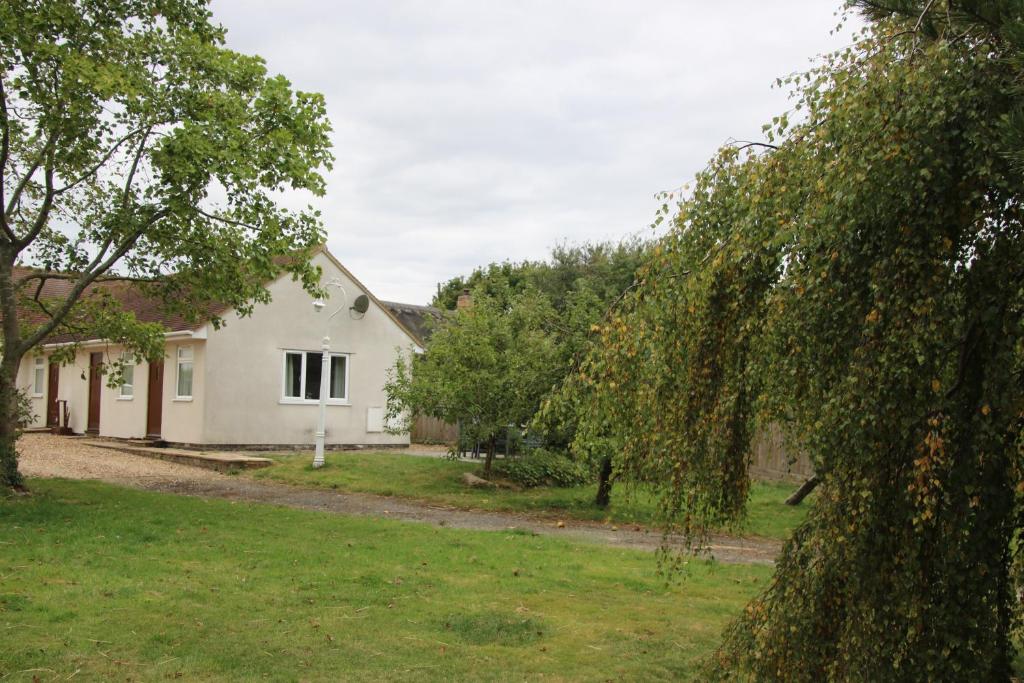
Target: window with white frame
302,377
127,376
38,376
184,383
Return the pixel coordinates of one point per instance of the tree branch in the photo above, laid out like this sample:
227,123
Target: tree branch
44,211
43,277
5,153
106,157
16,196
743,144
102,252
135,166
805,489
967,346
924,12
42,306
35,297
229,221
95,270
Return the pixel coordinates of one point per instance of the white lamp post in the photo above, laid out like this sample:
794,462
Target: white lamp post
325,372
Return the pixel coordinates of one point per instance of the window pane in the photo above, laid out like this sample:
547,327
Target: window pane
184,353
338,368
184,379
128,377
293,375
313,363
38,376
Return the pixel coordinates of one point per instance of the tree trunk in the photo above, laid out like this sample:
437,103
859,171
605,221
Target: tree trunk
604,483
490,458
803,491
10,477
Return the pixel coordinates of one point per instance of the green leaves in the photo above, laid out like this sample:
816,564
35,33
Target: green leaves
160,150
485,367
822,288
133,141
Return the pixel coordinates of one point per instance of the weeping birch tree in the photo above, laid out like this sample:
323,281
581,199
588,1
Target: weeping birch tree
858,279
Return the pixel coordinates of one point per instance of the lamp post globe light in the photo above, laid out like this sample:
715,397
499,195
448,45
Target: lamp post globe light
325,370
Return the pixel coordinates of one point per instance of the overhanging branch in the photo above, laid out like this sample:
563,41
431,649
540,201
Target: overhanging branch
43,277
224,219
744,144
15,197
104,159
95,270
5,153
44,211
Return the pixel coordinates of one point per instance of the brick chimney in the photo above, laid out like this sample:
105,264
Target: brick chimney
465,300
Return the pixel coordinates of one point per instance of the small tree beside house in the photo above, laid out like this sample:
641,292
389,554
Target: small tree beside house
485,367
133,143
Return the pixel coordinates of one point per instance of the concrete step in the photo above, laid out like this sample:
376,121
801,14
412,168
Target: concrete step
222,461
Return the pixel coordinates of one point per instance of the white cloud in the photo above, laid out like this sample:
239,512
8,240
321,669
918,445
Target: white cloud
469,132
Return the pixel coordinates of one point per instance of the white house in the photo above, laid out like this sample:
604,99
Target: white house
254,382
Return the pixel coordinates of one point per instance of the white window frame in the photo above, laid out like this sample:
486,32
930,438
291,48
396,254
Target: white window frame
302,374
191,360
39,380
128,361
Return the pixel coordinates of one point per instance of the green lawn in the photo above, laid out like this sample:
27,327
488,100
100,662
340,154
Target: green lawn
439,481
102,583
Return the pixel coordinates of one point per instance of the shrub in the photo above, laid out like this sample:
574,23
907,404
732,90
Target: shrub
541,467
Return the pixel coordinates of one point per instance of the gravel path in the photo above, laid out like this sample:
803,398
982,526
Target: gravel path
48,456
44,455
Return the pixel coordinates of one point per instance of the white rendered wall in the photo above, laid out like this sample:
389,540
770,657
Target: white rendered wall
25,381
237,385
183,417
244,368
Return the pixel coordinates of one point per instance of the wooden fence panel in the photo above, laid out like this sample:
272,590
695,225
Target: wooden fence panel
431,430
771,461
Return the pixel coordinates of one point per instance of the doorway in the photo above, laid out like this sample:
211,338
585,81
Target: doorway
52,409
155,400
95,388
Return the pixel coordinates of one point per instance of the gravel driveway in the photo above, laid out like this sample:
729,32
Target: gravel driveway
48,456
45,455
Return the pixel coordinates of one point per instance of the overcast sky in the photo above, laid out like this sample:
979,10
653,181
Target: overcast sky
475,131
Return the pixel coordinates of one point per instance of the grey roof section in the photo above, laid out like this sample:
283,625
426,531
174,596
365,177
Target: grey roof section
417,319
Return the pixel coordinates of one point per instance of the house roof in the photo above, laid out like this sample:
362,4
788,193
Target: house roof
129,293
387,311
418,319
146,307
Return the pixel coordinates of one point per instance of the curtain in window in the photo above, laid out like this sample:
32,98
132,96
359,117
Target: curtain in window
39,377
302,376
338,377
293,375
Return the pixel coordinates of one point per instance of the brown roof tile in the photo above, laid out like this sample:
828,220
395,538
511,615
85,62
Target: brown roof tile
420,320
131,294
138,297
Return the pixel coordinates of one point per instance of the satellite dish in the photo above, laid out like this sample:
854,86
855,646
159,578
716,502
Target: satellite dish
361,304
